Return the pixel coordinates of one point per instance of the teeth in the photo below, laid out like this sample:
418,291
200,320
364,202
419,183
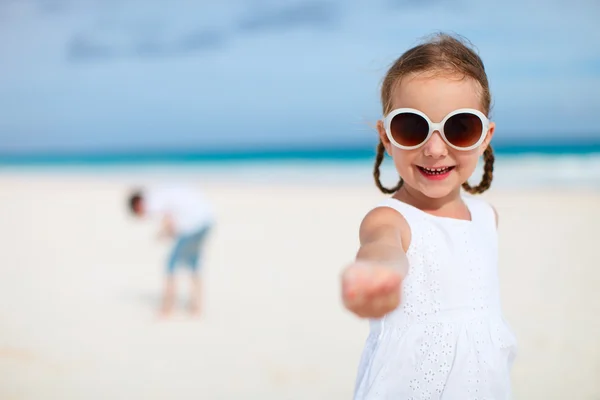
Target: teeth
436,171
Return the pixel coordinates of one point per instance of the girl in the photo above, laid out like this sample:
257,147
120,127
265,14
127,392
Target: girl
426,271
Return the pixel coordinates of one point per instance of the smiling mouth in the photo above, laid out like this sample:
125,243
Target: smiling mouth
435,171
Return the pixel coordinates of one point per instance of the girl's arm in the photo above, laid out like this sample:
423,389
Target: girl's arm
371,284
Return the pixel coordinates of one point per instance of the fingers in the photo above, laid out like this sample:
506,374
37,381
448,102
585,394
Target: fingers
386,304
357,281
376,307
371,292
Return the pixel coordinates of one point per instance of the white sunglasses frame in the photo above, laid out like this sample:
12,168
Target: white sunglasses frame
439,127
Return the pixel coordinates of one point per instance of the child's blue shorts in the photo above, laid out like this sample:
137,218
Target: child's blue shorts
187,250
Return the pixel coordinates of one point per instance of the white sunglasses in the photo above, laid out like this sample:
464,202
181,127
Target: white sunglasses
462,129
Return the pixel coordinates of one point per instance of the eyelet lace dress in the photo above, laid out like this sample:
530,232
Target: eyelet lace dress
447,339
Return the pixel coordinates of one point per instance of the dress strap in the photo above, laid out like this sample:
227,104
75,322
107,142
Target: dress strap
482,213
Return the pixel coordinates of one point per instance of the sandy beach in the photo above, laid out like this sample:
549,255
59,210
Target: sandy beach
80,283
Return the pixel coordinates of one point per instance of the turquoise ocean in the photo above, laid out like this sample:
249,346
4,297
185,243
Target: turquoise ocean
564,164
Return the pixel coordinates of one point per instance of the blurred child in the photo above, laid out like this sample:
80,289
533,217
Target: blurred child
185,216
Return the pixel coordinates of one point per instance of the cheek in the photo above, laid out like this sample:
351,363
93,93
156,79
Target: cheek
403,159
468,161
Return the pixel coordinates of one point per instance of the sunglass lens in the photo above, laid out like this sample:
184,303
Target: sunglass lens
463,130
409,129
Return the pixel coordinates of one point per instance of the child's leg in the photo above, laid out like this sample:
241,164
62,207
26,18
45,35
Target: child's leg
168,301
194,261
195,293
169,290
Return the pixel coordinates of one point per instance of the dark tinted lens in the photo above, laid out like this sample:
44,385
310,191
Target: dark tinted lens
463,130
409,129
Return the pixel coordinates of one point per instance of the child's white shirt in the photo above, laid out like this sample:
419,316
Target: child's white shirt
187,207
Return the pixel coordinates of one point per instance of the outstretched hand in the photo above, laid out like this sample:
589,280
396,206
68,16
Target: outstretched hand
371,290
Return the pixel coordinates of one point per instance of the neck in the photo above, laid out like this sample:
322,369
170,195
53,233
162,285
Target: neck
428,204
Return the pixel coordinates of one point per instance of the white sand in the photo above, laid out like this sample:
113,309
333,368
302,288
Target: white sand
79,284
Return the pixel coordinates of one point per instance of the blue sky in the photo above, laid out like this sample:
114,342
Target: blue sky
143,74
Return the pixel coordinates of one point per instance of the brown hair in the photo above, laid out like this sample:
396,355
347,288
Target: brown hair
446,54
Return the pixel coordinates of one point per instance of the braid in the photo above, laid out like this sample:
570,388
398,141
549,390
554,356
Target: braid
376,174
488,174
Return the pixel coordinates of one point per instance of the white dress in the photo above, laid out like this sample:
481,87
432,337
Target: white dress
447,339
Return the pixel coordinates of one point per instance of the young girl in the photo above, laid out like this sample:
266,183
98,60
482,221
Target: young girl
426,271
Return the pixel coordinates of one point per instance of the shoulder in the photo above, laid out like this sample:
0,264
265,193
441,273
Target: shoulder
382,215
156,198
383,218
154,194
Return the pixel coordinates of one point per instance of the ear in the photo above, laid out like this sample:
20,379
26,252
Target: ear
383,137
488,138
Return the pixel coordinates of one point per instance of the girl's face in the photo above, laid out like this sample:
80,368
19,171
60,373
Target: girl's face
436,96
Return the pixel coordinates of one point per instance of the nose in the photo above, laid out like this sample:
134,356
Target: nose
435,146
